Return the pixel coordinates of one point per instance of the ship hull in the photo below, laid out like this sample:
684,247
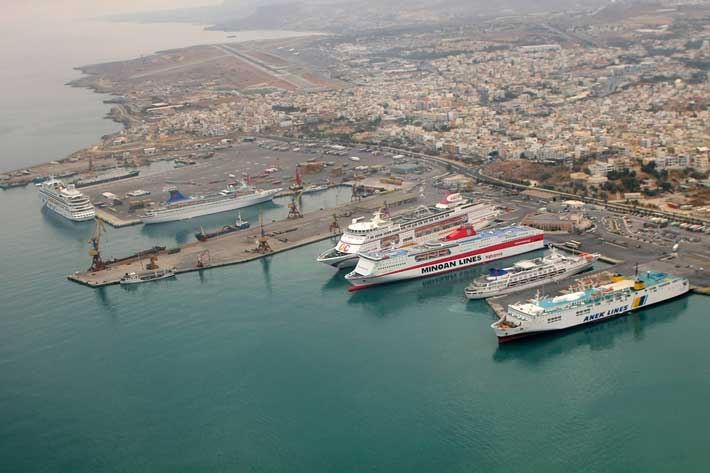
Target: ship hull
207,208
509,290
464,260
50,204
340,261
571,318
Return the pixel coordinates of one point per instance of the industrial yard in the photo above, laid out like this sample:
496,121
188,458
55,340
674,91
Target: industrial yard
267,165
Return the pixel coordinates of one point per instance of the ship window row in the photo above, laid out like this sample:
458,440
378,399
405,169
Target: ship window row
517,280
557,318
583,312
432,255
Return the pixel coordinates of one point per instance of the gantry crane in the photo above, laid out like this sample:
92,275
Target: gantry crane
293,210
334,227
97,264
262,242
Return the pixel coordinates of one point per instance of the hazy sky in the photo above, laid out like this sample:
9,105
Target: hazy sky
46,9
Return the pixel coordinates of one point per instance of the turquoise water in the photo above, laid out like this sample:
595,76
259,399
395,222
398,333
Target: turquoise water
273,366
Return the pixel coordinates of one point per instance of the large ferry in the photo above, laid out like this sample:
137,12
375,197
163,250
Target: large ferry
605,301
460,249
66,201
408,228
181,207
529,273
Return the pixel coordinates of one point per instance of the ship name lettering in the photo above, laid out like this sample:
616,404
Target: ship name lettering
470,259
439,267
609,312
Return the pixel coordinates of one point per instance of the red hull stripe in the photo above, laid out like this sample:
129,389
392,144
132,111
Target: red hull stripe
488,249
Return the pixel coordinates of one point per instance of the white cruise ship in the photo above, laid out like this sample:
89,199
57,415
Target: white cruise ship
529,273
461,249
181,207
66,201
603,302
406,229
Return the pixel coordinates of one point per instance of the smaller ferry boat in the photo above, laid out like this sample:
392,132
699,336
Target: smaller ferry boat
238,225
462,248
66,201
593,304
146,276
113,175
529,273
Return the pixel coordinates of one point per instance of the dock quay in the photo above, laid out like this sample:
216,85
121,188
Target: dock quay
602,257
240,247
114,220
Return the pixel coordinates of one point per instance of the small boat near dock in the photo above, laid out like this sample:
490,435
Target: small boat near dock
239,224
146,276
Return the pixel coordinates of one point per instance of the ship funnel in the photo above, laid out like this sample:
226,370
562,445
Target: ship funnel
461,232
176,196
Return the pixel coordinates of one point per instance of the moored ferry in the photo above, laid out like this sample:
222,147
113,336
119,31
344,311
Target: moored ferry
529,273
621,295
409,228
181,207
460,249
66,201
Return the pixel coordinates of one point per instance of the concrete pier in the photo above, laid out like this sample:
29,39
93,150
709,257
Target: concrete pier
114,220
239,247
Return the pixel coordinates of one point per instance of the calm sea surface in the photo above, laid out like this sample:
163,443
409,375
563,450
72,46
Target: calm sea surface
273,366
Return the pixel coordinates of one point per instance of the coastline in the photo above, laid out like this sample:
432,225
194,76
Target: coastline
118,111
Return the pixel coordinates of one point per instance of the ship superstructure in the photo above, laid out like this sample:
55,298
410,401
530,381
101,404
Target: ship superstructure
594,304
66,200
426,222
460,249
181,207
530,273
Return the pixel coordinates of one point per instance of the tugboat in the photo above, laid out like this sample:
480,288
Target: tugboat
146,276
238,225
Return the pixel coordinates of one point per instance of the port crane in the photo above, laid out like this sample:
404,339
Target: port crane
334,226
293,210
97,264
262,242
